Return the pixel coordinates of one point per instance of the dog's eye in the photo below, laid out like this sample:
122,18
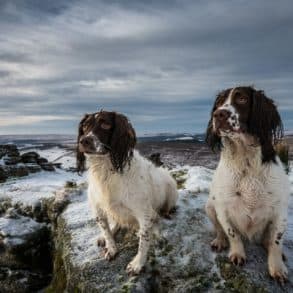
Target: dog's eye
105,126
241,100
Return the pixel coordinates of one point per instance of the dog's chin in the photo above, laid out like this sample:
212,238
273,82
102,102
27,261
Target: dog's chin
227,132
96,152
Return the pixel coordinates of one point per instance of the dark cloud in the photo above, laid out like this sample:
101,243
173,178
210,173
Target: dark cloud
160,62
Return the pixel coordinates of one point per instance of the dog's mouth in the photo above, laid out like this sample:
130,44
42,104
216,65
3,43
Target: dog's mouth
225,129
91,150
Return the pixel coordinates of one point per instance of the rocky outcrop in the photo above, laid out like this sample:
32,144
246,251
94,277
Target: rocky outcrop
14,164
25,253
180,259
156,159
51,245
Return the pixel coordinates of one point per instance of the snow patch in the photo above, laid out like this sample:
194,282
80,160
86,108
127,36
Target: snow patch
16,231
30,189
198,179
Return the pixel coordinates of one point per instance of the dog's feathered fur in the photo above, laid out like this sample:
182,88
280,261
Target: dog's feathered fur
250,190
126,189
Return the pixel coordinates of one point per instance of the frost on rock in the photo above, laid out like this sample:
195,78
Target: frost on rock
180,259
24,253
18,230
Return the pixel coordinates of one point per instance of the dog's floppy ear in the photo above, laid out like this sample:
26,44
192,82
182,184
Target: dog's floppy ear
212,139
80,157
265,124
122,142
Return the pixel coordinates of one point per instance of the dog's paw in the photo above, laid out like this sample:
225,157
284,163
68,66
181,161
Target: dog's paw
237,258
110,252
101,241
134,267
219,244
279,272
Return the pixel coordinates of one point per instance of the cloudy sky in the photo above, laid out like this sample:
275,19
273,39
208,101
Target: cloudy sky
159,62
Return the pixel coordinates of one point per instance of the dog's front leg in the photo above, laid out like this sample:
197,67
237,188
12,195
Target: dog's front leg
277,268
219,243
110,246
114,230
237,252
145,231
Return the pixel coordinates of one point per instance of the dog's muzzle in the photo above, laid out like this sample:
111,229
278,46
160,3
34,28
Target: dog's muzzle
221,122
89,144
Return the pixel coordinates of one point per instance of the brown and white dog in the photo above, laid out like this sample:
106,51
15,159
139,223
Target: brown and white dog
250,190
123,187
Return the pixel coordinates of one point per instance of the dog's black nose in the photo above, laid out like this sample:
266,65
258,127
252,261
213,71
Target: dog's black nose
221,114
86,141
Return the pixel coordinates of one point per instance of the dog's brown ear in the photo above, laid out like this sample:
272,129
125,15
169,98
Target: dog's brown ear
122,142
80,157
212,139
265,124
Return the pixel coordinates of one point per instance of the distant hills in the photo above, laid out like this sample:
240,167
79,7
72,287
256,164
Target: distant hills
39,140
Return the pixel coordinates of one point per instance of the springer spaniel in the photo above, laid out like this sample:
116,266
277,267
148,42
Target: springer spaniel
250,190
124,188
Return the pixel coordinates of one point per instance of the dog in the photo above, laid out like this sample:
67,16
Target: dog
250,191
123,187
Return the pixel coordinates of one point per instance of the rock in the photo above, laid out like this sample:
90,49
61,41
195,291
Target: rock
3,175
25,253
30,157
180,259
156,159
20,238
33,168
70,184
11,160
18,166
8,150
47,167
22,281
17,170
42,160
57,165
180,176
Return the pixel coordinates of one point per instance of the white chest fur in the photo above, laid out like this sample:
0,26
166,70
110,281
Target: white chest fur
247,190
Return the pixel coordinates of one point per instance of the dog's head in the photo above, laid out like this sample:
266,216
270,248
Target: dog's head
244,110
105,133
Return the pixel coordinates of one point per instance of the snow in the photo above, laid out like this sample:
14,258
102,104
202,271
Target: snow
84,230
198,179
15,231
30,189
180,138
56,155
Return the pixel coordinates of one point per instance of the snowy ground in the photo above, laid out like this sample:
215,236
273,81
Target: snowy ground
31,189
177,233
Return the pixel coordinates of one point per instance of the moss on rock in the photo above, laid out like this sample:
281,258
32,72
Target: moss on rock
235,278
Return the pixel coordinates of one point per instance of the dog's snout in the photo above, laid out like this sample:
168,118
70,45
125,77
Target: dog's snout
86,141
221,114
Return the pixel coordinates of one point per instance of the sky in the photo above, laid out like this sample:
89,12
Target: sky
159,62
